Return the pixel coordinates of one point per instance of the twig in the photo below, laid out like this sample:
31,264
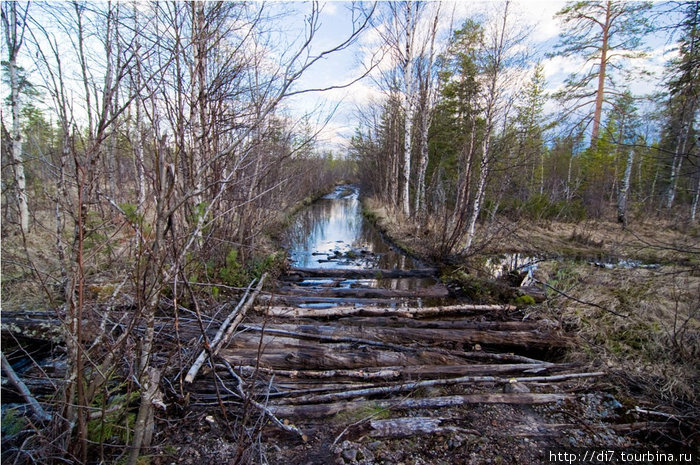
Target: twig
266,411
564,294
234,317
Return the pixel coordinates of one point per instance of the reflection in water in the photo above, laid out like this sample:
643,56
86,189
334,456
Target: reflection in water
332,233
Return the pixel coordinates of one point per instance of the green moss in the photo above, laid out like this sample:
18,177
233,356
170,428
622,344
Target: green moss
523,301
479,289
369,411
12,423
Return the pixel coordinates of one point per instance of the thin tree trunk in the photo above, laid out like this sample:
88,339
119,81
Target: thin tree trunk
478,198
696,199
600,93
676,165
408,102
426,119
13,40
624,191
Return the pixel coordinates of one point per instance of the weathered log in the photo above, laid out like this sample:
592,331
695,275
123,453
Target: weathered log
286,354
332,356
229,326
23,390
642,426
397,337
276,299
413,426
363,273
326,410
396,388
39,326
442,323
434,291
406,312
396,372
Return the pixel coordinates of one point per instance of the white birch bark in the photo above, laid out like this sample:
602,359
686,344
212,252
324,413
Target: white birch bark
408,103
624,190
696,199
426,117
13,40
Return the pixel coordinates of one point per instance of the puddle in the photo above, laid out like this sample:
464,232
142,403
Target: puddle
624,264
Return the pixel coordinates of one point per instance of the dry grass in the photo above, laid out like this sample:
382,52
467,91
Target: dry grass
652,353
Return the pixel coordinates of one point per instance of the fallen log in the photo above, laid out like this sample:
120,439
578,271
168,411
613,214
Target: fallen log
398,338
326,410
276,299
539,295
332,356
23,390
396,388
406,312
395,372
361,273
278,353
413,426
434,291
444,323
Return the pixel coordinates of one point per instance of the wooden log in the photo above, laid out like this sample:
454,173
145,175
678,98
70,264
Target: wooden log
414,371
229,325
396,388
396,337
23,390
405,312
333,356
442,323
285,354
326,410
39,326
275,299
642,426
414,426
435,291
362,273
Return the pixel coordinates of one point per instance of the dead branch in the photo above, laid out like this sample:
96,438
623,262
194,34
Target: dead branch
406,312
229,325
23,390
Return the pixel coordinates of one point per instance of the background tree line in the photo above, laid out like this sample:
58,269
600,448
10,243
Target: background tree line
464,134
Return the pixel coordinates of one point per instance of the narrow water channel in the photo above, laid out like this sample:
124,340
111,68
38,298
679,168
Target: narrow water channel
332,233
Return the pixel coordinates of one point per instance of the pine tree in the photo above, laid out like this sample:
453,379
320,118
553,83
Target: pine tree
606,34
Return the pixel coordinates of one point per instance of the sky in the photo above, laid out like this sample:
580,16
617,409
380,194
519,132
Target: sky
336,111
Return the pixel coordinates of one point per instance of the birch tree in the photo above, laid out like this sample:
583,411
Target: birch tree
627,121
14,22
401,38
428,85
501,57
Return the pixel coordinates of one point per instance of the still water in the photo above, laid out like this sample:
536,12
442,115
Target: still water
332,233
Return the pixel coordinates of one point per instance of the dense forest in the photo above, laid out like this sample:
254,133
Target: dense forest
151,154
481,143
